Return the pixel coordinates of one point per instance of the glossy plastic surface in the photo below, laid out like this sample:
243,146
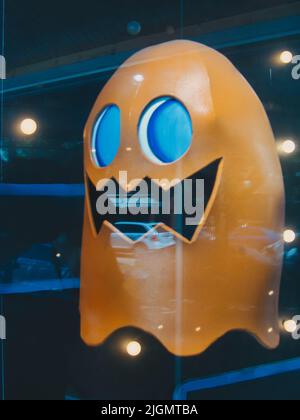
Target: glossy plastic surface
188,292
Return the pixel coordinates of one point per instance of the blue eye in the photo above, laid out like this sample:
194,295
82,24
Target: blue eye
106,136
165,131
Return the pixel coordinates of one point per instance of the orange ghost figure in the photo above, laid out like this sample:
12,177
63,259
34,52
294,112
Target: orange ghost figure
178,111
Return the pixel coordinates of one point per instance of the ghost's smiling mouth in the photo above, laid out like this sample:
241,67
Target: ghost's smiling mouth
177,223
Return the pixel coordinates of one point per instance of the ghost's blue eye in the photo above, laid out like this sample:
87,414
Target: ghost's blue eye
165,131
106,136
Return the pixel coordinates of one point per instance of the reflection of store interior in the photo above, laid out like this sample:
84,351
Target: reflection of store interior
57,61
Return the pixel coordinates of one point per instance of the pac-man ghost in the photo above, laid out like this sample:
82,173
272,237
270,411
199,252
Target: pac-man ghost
179,111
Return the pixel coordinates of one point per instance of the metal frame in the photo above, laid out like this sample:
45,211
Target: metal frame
237,377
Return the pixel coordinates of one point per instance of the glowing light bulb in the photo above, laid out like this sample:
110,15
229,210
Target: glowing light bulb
134,348
28,126
288,147
290,326
289,236
286,57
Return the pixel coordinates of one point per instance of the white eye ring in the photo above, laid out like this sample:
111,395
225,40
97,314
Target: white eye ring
143,130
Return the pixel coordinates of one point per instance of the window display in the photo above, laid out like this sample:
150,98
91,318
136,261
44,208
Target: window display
149,202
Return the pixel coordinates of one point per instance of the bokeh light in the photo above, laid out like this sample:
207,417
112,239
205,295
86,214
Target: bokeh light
288,147
286,57
289,236
290,326
134,348
28,126
134,28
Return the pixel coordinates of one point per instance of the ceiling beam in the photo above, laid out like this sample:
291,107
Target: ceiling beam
260,26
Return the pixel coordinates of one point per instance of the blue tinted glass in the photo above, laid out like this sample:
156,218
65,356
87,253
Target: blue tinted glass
170,131
106,136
